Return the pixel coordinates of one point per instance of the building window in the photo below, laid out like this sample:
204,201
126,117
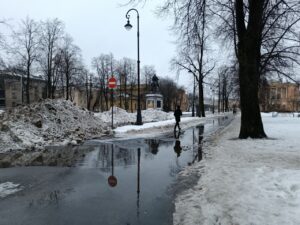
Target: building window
2,102
278,93
273,93
13,95
158,103
283,93
2,94
150,104
36,93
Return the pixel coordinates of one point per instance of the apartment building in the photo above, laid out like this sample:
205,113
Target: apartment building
281,97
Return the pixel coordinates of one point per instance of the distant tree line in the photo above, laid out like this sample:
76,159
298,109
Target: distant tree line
44,48
261,36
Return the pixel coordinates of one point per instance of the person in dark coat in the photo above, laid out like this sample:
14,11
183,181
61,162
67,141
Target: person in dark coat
177,115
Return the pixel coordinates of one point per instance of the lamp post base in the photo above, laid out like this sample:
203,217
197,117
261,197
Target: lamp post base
139,118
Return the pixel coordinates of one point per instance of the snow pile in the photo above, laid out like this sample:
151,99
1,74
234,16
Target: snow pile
121,117
59,122
153,115
246,181
50,122
1,111
276,114
9,188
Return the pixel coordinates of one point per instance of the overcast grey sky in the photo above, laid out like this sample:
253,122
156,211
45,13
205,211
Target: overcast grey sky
97,26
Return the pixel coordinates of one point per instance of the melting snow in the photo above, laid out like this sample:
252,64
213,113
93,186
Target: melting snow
9,188
59,122
246,181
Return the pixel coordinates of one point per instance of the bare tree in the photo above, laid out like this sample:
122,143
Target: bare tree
170,93
132,80
25,44
148,72
264,39
191,21
266,43
227,83
191,26
52,33
3,44
123,70
70,61
105,67
88,90
249,51
191,60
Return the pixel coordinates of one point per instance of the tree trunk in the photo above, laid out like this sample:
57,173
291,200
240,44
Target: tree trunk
28,85
106,97
49,91
131,96
249,59
251,122
67,85
125,91
201,99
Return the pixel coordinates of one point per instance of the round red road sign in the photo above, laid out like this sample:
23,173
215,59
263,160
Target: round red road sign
112,82
112,181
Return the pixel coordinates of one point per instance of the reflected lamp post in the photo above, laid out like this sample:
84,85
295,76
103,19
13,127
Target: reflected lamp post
128,26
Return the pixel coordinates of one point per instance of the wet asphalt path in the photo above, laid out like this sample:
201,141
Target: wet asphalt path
117,182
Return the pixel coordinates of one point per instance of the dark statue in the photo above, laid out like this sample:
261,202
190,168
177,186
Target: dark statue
154,83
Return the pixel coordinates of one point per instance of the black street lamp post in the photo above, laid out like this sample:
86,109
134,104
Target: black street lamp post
128,26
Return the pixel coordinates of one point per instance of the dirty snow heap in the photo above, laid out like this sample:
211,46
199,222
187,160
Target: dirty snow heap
51,122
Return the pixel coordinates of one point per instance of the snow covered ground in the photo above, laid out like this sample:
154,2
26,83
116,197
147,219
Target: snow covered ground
59,122
246,182
157,128
241,182
9,188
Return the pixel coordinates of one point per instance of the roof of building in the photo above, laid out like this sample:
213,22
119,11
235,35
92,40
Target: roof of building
18,76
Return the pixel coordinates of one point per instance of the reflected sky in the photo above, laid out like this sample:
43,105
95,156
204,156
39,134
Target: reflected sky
115,182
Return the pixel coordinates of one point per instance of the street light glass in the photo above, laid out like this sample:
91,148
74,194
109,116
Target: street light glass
128,26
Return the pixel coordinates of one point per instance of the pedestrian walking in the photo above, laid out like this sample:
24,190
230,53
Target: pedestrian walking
177,115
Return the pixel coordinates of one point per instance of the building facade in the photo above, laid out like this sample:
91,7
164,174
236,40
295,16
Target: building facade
280,97
125,98
12,94
12,90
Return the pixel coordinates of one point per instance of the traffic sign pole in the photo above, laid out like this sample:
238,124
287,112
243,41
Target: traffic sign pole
112,83
112,109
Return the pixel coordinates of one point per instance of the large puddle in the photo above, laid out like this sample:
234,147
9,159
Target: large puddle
106,182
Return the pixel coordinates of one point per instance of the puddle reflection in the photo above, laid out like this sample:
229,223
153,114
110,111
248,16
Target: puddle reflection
114,182
198,144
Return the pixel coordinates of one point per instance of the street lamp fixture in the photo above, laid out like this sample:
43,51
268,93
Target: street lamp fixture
128,26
